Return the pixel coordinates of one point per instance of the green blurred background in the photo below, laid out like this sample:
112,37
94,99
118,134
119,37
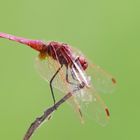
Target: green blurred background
108,32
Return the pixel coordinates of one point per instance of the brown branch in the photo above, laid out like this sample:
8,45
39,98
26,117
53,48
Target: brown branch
45,116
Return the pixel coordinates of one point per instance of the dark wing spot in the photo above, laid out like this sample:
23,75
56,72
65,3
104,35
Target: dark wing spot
49,117
80,112
107,112
113,80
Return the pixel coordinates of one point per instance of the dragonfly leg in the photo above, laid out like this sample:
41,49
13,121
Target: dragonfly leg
51,82
78,85
67,78
73,76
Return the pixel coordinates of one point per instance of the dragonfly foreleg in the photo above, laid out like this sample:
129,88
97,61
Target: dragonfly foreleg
51,82
73,76
77,85
67,77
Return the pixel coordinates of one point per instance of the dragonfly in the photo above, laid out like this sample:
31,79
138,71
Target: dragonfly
68,70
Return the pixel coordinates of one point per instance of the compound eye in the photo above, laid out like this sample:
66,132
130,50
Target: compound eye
85,66
83,62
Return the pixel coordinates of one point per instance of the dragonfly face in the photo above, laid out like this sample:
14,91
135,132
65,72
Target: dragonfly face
83,62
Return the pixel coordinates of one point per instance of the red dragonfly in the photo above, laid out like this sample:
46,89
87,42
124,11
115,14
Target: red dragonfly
68,70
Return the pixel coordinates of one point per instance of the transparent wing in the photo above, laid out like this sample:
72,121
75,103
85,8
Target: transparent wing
102,81
89,100
92,106
96,80
46,68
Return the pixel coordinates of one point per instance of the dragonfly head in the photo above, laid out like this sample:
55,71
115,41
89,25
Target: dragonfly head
83,62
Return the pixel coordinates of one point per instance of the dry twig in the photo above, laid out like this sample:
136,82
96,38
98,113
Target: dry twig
45,116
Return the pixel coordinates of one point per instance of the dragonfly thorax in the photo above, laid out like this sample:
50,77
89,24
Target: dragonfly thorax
58,51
